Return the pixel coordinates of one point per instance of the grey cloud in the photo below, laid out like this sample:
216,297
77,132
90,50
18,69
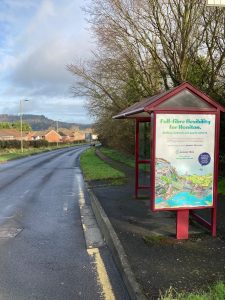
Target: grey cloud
36,66
43,69
43,65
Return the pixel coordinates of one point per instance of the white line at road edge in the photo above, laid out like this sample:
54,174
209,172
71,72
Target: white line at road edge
102,276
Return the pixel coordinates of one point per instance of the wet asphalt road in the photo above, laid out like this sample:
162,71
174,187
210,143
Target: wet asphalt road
43,253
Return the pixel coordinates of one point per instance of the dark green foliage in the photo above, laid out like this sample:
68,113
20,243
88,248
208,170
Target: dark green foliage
117,134
199,73
15,144
36,144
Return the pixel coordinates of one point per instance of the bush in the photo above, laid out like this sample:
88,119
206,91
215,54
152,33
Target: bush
36,144
15,144
10,144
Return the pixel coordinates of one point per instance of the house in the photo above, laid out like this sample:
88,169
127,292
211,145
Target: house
51,136
10,134
72,135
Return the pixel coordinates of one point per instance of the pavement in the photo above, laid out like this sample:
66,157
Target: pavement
144,245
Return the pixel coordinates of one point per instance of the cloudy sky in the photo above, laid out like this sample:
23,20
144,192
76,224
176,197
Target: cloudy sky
38,38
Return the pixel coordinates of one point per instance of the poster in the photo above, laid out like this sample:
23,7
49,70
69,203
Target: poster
184,166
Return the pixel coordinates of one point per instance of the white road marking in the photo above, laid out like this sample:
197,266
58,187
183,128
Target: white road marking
92,234
65,207
24,194
102,276
9,232
81,197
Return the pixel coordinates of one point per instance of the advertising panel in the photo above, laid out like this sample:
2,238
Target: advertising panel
215,3
184,160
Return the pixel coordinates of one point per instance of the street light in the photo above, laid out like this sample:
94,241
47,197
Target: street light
57,130
21,123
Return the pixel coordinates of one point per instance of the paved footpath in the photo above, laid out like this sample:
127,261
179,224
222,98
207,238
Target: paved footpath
157,259
43,253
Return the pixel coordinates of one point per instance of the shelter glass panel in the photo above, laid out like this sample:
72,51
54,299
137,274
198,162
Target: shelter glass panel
185,99
144,175
144,140
143,156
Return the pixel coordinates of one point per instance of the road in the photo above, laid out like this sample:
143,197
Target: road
43,252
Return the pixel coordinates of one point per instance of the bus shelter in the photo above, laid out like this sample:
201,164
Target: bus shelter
183,138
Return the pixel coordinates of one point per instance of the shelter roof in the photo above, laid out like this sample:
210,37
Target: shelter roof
182,97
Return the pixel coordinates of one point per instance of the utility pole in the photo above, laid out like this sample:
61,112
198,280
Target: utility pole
21,123
57,130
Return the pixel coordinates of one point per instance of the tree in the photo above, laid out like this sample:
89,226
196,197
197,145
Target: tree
15,125
144,46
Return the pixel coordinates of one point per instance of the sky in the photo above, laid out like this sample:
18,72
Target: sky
38,38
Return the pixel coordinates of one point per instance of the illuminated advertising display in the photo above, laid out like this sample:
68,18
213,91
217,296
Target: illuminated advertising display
184,161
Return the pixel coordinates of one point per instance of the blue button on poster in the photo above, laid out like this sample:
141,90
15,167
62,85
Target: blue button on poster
204,158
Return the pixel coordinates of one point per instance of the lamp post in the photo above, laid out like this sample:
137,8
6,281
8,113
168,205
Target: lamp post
57,130
21,123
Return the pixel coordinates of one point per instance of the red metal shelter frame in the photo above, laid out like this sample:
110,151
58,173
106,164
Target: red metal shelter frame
146,111
137,160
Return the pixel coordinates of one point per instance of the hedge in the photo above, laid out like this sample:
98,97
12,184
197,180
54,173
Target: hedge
15,144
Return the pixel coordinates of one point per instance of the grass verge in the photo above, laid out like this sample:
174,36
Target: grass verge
119,156
11,154
216,292
126,159
14,153
96,169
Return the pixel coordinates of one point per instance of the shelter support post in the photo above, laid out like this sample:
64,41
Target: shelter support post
213,222
182,224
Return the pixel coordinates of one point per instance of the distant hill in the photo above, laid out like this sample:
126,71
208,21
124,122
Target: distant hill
41,122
